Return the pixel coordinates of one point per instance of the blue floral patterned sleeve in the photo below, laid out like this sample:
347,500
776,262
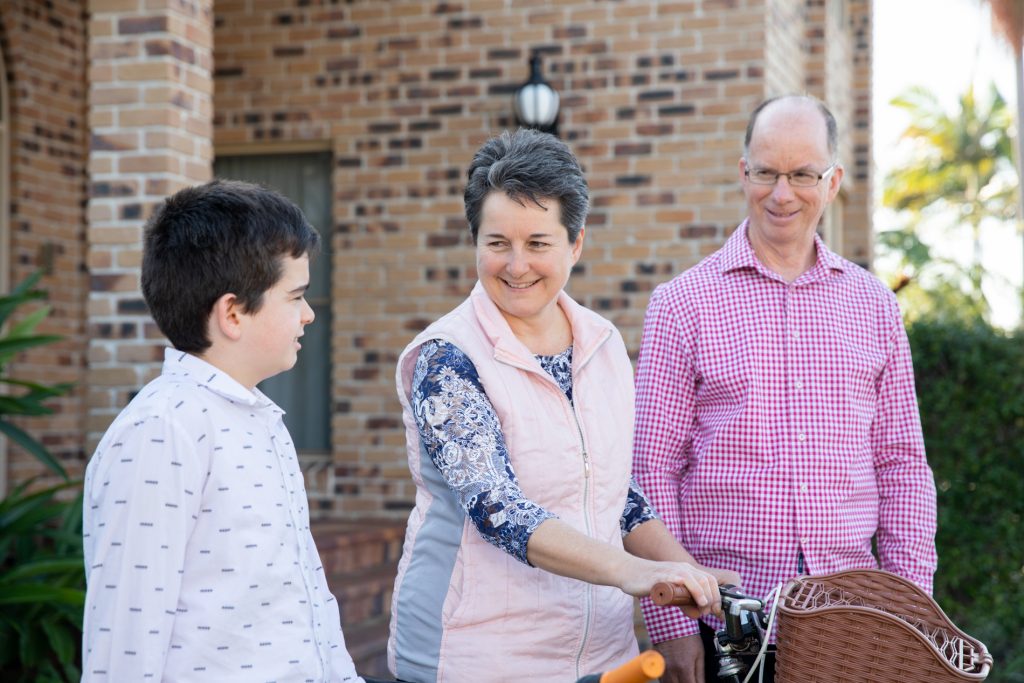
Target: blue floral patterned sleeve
463,437
637,511
464,440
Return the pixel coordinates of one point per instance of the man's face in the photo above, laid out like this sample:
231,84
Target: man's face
788,136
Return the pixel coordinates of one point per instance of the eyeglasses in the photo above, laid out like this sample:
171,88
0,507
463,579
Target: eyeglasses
764,176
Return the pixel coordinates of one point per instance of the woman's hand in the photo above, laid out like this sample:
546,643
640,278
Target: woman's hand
639,577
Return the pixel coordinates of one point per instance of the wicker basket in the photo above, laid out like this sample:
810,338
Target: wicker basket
870,626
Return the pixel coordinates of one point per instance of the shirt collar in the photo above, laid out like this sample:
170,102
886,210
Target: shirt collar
184,364
589,331
737,254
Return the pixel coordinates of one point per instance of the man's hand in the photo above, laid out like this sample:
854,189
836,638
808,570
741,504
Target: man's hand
725,576
684,659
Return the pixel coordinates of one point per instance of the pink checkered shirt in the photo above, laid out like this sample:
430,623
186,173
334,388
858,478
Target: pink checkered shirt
777,423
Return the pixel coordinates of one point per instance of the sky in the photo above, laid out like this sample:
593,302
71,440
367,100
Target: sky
943,45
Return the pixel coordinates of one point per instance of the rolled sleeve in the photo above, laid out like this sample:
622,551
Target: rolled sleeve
463,437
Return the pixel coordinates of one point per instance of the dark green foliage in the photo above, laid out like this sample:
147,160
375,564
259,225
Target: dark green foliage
25,398
970,383
42,577
42,585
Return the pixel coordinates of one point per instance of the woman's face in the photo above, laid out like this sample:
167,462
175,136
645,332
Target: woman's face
524,257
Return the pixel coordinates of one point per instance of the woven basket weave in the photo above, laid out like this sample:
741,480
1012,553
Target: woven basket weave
870,626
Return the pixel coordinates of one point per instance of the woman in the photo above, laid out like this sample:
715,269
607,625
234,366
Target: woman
528,536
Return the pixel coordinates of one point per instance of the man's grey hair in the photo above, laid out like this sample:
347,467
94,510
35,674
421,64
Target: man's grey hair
832,130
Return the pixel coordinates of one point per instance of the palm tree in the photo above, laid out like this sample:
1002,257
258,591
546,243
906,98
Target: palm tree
961,167
1008,24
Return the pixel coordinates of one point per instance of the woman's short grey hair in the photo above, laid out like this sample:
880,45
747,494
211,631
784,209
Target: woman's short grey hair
528,165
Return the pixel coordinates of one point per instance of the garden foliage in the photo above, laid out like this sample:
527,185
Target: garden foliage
42,578
970,384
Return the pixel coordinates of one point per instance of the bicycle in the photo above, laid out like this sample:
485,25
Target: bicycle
645,667
856,624
742,635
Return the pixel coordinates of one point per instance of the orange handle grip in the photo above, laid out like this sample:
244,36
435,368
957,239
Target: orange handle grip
664,594
644,667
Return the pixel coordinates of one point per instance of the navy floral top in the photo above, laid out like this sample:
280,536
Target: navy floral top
464,439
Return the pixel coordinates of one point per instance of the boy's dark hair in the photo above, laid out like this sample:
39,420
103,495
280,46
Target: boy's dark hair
206,241
528,165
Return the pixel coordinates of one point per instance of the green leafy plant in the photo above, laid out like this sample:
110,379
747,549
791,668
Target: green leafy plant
29,401
42,577
970,385
42,585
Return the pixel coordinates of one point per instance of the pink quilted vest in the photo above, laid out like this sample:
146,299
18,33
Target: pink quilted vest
464,610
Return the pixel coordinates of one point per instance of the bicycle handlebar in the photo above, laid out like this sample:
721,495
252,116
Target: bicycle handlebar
664,594
645,667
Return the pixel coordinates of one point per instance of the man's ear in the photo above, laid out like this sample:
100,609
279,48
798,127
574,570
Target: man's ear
835,181
226,317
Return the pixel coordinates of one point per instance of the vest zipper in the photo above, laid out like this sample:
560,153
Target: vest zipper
588,590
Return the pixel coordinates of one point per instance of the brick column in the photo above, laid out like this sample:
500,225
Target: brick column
45,67
150,114
858,238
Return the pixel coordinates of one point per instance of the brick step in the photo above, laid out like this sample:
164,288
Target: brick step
368,645
364,594
352,546
360,562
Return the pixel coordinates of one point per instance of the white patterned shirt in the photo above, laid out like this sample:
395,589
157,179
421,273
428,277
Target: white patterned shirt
198,555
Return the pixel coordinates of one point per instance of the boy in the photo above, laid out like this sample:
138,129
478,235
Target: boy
199,560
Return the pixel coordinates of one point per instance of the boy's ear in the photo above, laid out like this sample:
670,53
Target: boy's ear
226,317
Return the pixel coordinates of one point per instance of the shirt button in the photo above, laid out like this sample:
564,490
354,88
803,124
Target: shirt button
799,384
801,437
803,488
795,333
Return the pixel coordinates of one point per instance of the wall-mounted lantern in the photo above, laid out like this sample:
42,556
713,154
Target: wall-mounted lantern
536,102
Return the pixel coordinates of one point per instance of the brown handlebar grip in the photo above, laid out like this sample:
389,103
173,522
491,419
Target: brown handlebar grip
664,594
644,667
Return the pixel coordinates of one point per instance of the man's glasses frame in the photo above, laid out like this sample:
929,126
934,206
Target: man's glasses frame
802,178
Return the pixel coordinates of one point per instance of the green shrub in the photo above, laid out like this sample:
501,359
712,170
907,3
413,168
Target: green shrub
42,577
42,585
970,384
29,396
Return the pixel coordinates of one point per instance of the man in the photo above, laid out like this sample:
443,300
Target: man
777,430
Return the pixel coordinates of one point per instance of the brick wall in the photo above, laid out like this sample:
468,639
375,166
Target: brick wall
44,56
655,96
150,124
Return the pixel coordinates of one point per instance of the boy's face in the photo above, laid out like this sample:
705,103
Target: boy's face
270,338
